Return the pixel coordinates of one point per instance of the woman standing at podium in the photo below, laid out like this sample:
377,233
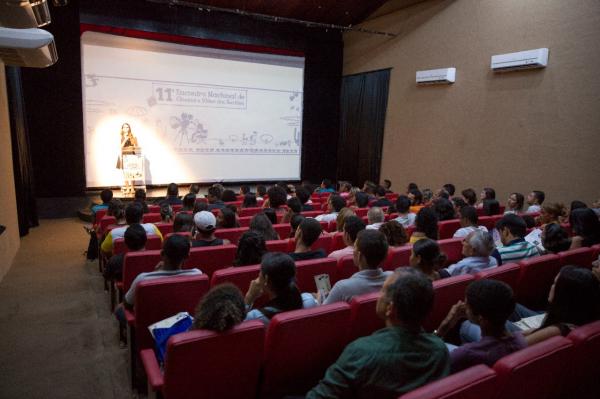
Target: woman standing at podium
129,144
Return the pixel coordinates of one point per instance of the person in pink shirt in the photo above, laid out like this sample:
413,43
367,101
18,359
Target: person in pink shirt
352,227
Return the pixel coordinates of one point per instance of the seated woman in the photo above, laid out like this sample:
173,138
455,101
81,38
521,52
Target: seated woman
416,198
476,249
394,233
221,309
277,199
514,204
586,228
188,202
249,201
555,239
491,207
227,219
261,224
427,258
294,208
166,212
205,223
294,223
250,249
444,209
270,214
552,213
468,222
277,280
340,220
117,210
183,223
426,226
487,193
228,196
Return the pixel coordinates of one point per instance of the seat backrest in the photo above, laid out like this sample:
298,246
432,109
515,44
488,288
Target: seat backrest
152,242
324,242
165,228
447,228
312,214
277,245
332,226
448,291
583,379
596,249
283,229
240,276
300,345
151,218
306,270
153,208
536,371
199,363
568,228
361,212
508,273
452,247
535,279
487,221
160,298
209,259
135,263
473,383
180,233
363,318
250,211
345,267
233,235
100,213
397,257
244,221
578,257
337,241
106,221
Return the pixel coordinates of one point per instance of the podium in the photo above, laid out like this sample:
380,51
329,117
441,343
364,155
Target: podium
134,176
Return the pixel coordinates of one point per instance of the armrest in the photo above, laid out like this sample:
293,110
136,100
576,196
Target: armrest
155,377
130,317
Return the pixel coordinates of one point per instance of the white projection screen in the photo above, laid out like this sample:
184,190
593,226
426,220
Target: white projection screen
199,114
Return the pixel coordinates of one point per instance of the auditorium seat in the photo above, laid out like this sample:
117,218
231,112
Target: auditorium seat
397,257
452,247
508,273
448,291
237,204
249,211
306,270
176,208
447,228
202,199
324,225
578,257
478,382
312,214
361,212
345,267
165,228
180,233
568,228
209,259
233,235
332,226
596,249
583,380
324,242
537,371
100,213
240,276
154,209
300,345
105,222
487,221
283,229
277,245
151,218
363,317
152,242
535,279
135,263
244,221
337,241
199,364
409,230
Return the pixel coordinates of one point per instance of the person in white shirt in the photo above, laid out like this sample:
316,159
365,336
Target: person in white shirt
535,199
335,203
405,217
376,217
352,226
468,222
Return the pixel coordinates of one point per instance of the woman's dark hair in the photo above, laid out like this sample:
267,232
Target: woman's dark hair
520,201
402,204
585,223
220,309
184,222
166,212
302,194
555,238
294,223
394,233
229,219
271,214
418,197
295,205
470,196
188,202
458,203
116,209
249,201
362,199
262,225
576,298
172,190
491,207
431,257
469,213
280,271
427,222
577,205
250,250
277,196
261,190
194,188
200,206
228,196
412,186
444,209
490,193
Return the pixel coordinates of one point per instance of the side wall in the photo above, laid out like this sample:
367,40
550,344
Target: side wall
516,131
9,240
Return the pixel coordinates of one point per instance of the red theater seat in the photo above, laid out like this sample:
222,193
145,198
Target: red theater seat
508,273
448,291
332,226
283,229
361,212
151,218
300,345
363,318
337,241
165,228
277,245
306,270
201,361
240,276
583,377
100,213
346,267
105,222
452,247
233,235
477,382
577,257
244,221
209,259
537,371
312,214
488,221
135,263
152,242
249,211
536,277
447,228
324,242
153,208
397,257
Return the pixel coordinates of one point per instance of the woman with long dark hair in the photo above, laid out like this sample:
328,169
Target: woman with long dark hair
250,249
586,228
426,226
427,257
261,224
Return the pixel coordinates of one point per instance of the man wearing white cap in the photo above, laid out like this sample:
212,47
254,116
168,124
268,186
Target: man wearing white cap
205,230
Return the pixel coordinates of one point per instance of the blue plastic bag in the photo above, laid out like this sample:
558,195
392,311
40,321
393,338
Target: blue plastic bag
161,331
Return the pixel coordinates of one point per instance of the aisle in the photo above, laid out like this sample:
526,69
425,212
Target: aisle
57,336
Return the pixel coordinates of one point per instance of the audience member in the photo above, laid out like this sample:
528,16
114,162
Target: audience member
468,222
341,218
450,189
361,199
244,189
369,188
477,248
458,203
426,226
394,233
444,209
140,198
586,228
491,207
555,238
294,207
487,193
277,199
135,240
206,224
306,235
535,199
512,229
427,194
229,196
261,192
576,204
352,226
261,224
514,203
427,258
133,215
183,223
335,203
376,217
116,209
381,201
294,223
411,186
277,280
441,193
214,197
250,249
553,213
166,212
189,200
106,196
326,187
220,309
370,250
200,206
405,217
416,198
227,219
304,196
470,196
173,195
396,359
249,201
194,189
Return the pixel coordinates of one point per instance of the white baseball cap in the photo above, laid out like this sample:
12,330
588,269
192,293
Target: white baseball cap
205,220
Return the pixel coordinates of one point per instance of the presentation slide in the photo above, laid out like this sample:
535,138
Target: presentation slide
195,114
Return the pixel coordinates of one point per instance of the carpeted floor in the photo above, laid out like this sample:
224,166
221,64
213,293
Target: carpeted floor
58,338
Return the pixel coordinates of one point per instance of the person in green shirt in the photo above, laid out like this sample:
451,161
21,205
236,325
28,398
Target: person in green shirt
397,358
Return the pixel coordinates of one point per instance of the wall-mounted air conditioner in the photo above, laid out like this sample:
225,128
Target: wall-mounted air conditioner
529,59
436,76
27,47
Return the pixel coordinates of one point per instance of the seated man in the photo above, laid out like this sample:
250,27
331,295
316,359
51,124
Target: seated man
381,198
468,222
387,185
370,250
476,249
106,196
335,203
173,195
489,303
376,217
135,240
304,196
189,200
140,198
214,198
352,226
206,224
512,229
133,215
405,217
535,199
307,233
397,358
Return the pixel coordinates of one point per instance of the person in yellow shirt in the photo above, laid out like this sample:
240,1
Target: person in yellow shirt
426,226
133,214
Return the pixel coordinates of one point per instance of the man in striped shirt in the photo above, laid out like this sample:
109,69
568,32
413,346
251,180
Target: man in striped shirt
512,229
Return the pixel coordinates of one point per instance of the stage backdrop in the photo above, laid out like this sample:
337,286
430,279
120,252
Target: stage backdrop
199,114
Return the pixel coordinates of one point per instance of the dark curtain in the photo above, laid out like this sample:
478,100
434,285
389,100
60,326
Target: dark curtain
363,106
22,166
